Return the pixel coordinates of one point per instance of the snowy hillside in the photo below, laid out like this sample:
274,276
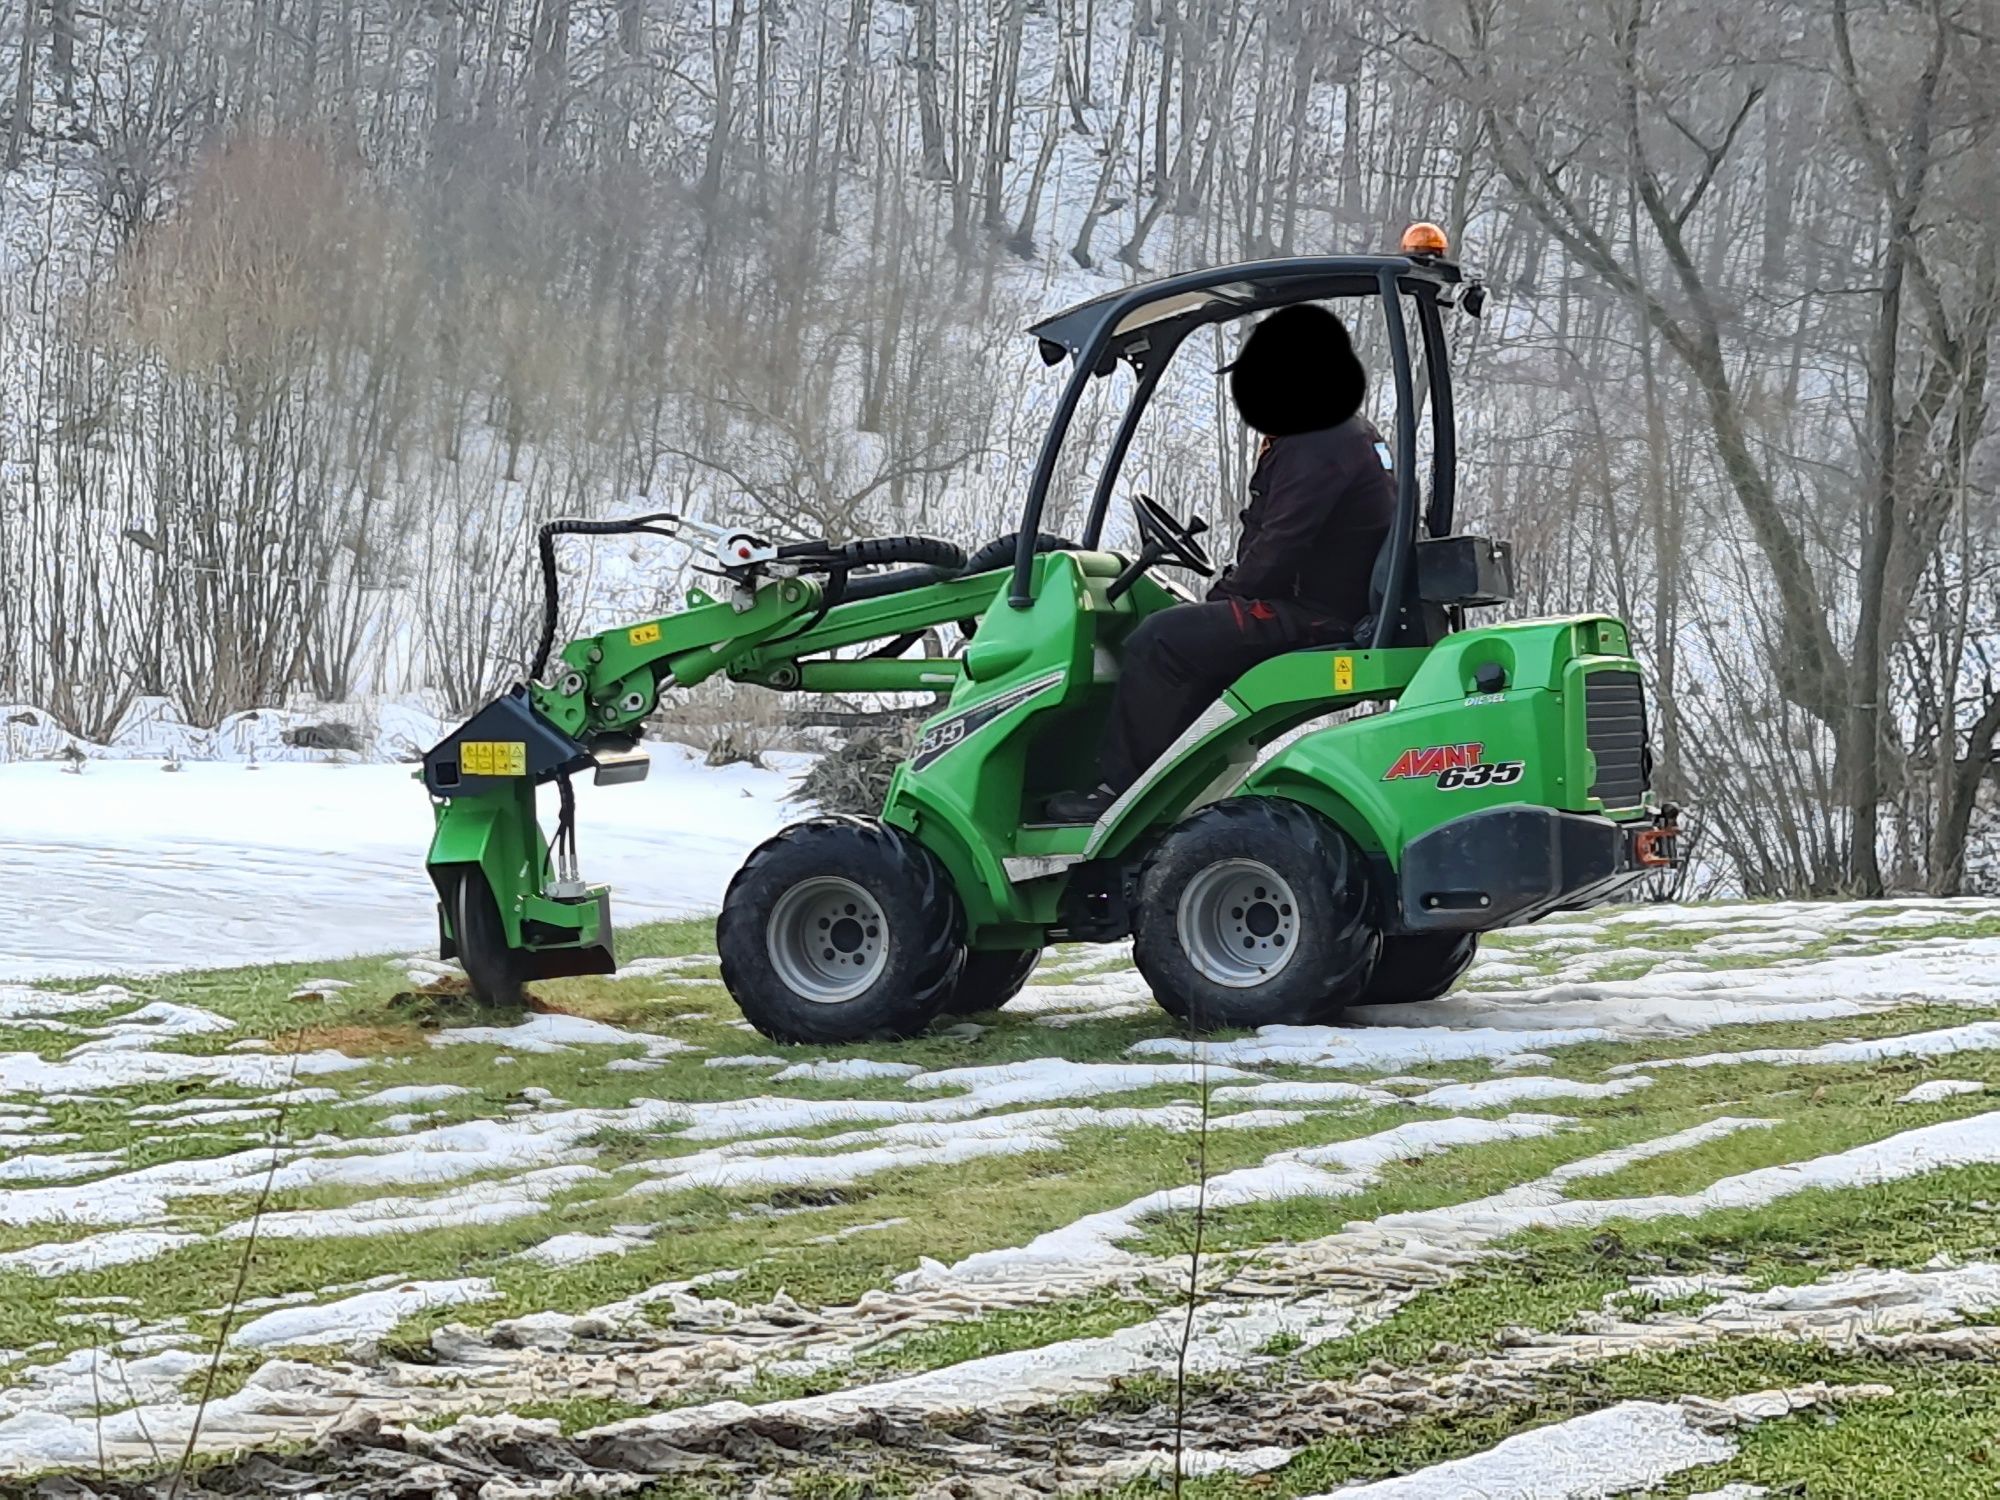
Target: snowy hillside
309,322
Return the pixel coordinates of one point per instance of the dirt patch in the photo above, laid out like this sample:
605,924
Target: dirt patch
611,1008
362,1041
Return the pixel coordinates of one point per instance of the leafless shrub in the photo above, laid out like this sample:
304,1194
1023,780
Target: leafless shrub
854,776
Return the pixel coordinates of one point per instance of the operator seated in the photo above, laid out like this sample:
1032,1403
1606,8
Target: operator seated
1321,502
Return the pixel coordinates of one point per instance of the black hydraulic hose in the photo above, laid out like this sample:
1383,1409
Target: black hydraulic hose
545,547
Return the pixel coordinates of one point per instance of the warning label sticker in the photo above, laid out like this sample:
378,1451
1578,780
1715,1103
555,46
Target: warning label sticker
493,758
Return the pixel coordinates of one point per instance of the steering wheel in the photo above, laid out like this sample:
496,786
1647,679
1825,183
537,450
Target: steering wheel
1168,540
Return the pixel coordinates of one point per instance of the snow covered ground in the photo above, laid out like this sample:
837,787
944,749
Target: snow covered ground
129,868
624,1233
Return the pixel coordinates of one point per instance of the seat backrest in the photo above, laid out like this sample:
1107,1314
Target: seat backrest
1420,623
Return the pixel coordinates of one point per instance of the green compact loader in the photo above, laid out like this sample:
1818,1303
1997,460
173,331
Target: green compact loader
1497,773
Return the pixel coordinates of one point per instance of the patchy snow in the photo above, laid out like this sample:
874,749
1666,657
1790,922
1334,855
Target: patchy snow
560,1033
360,1319
1634,1445
1523,1061
220,1117
435,1177
847,1068
84,1071
844,1168
1496,1093
34,1167
1981,1036
409,1093
655,968
1940,1088
1217,1338
1118,992
78,1382
196,1105
1376,1049
1305,1093
1338,1170
133,871
1498,1026
20,1002
1042,1080
1194,1463
1865,1299
1954,972
853,1229
1972,1141
517,1197
575,1249
95,1252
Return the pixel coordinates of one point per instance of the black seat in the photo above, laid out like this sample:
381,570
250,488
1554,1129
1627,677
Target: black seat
1448,572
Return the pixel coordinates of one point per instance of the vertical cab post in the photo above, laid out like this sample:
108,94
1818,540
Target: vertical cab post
1020,593
1402,540
1444,430
1151,364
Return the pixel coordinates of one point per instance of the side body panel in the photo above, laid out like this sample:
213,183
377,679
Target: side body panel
1444,748
1023,721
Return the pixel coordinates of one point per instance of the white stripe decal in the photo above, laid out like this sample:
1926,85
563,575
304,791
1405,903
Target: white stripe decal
1212,718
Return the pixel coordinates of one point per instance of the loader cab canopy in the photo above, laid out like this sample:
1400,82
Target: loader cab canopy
1142,326
1151,318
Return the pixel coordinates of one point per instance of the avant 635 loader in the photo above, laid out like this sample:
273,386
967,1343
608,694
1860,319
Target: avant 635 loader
1504,776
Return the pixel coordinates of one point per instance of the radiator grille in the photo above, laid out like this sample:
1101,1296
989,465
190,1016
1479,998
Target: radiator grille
1615,729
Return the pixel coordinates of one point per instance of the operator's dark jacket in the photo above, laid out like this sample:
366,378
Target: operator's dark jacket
1320,505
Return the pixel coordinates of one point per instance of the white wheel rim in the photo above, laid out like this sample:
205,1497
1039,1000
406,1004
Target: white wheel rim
827,939
1238,923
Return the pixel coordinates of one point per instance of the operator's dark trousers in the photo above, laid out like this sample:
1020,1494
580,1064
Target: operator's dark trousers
1179,660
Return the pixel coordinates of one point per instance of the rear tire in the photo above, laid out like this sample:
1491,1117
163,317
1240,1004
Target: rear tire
494,969
1420,966
990,978
1256,911
840,930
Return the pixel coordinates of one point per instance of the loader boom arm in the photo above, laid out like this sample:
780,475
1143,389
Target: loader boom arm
609,682
779,632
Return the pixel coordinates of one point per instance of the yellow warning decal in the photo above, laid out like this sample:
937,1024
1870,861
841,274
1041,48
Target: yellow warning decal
493,758
643,635
1343,674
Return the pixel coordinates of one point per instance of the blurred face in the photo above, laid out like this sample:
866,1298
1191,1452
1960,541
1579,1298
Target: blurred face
1297,373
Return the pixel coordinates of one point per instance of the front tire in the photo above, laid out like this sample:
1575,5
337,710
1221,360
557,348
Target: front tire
1256,911
1419,966
990,978
494,969
840,930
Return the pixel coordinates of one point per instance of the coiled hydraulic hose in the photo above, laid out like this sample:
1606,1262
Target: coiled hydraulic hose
659,523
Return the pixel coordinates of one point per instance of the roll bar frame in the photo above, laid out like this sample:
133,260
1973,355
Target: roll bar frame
1145,325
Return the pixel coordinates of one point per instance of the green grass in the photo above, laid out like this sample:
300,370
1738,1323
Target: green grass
1937,1434
785,1240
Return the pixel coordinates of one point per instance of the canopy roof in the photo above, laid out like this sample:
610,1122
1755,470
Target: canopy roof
1176,304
